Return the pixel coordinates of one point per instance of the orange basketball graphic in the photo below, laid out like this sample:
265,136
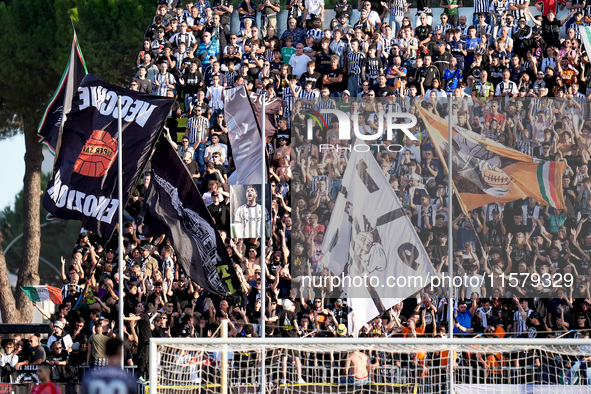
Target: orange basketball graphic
494,176
98,154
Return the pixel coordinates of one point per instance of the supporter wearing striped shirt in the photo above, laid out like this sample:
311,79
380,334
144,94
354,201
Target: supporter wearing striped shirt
463,26
481,7
288,94
443,26
397,10
197,133
309,95
316,33
355,61
518,7
184,36
325,102
231,74
482,27
338,46
163,81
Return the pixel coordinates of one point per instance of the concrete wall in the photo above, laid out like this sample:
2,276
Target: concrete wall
330,14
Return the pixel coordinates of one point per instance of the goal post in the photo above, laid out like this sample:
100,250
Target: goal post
394,365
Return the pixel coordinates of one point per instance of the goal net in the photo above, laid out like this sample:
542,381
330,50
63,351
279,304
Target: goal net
378,365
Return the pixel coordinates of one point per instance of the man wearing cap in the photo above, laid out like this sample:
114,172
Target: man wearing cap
159,42
341,311
147,263
495,229
442,57
58,334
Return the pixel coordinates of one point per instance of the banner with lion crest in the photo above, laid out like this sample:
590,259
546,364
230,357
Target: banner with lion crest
485,171
85,176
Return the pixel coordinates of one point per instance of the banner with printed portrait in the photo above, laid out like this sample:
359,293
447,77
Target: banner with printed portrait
246,211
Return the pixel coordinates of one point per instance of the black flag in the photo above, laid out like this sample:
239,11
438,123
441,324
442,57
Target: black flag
173,206
85,175
61,102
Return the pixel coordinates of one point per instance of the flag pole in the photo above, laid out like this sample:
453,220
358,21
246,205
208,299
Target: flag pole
450,248
120,219
263,241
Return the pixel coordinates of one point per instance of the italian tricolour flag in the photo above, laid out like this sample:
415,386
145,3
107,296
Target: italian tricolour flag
548,178
43,293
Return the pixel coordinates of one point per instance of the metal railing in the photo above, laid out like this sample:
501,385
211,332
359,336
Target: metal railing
424,378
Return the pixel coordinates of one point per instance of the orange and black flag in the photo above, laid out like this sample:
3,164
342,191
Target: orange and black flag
84,183
485,171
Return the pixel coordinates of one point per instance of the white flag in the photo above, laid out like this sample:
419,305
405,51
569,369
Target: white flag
586,39
372,243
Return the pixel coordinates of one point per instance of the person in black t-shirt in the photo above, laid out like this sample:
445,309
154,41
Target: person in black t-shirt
192,166
219,212
517,226
288,327
311,76
424,31
58,359
144,331
324,56
160,329
381,89
536,326
334,79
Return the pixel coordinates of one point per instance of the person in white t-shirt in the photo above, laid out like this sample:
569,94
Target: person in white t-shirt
299,61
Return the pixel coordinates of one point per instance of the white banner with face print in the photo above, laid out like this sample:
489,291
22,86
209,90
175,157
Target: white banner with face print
371,243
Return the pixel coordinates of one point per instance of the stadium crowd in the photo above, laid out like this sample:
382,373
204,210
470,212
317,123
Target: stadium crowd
515,79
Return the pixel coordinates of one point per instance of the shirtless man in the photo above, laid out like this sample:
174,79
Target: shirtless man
283,172
252,263
357,369
282,149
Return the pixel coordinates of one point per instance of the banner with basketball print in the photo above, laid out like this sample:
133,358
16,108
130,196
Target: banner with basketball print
85,176
485,171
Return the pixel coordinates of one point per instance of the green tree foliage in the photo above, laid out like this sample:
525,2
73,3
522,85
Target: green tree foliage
56,239
36,43
111,33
